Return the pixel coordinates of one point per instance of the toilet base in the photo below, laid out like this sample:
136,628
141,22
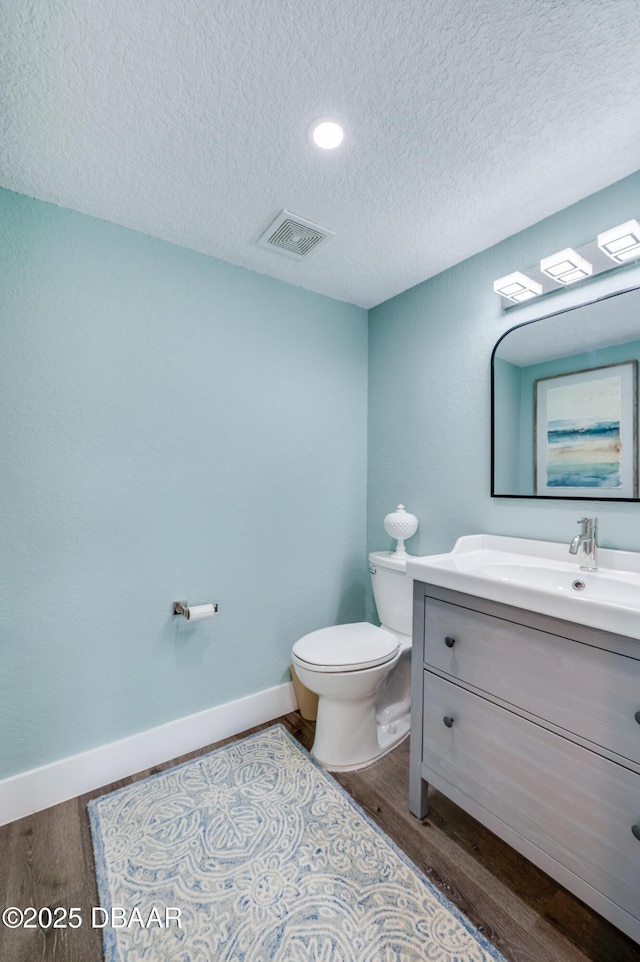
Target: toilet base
386,743
349,737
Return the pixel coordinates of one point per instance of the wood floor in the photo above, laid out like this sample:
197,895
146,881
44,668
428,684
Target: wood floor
47,860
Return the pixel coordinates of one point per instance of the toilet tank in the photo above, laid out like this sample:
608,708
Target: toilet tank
392,591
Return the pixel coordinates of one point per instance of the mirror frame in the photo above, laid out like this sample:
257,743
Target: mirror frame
536,320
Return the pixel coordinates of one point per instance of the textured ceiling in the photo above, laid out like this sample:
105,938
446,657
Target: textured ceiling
466,121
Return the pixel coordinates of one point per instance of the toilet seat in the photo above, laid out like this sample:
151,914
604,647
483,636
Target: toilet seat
346,648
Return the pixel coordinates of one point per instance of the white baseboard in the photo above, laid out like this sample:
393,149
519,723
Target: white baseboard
39,788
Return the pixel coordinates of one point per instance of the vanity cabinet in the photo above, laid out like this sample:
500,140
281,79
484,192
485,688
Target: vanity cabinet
532,725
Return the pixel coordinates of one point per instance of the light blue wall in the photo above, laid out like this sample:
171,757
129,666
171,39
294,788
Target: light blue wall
508,420
172,427
430,391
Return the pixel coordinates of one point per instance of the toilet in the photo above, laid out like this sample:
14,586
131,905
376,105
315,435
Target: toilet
362,674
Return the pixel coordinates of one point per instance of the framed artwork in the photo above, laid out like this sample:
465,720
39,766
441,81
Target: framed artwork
586,437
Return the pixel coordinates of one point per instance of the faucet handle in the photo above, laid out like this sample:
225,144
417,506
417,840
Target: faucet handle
588,525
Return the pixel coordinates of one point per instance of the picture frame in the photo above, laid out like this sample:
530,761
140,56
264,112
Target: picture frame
586,434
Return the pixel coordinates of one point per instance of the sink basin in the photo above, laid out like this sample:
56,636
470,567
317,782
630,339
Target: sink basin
541,576
618,589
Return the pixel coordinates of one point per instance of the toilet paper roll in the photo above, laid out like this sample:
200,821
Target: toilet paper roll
200,612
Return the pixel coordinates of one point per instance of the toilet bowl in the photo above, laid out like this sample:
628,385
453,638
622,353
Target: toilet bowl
362,674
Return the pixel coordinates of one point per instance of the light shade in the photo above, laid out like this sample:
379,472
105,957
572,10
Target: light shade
326,134
566,266
621,243
517,287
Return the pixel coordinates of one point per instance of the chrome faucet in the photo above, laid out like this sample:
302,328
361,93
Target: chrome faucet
587,543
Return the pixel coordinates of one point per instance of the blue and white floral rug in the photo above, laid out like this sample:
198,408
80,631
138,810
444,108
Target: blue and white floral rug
253,853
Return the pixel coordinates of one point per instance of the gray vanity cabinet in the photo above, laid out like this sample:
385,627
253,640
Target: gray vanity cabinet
529,724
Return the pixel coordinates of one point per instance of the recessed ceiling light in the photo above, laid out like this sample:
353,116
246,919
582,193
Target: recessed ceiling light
326,134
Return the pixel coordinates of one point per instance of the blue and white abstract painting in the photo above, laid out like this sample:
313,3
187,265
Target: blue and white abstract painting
584,441
583,434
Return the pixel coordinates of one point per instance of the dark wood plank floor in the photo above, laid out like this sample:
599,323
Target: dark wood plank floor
46,859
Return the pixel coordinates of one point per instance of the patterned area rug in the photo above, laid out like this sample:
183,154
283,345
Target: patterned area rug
262,857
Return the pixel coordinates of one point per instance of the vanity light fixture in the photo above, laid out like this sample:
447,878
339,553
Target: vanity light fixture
326,133
517,287
566,266
613,249
621,243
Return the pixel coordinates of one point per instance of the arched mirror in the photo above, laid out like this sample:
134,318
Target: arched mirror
564,404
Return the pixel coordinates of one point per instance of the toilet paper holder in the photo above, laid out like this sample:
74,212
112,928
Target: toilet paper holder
198,612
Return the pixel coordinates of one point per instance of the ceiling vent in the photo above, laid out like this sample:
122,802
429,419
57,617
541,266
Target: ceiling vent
293,235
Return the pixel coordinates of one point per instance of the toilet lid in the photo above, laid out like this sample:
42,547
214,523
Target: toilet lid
346,647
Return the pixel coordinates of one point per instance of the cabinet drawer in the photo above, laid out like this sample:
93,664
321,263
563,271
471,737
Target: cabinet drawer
588,691
575,805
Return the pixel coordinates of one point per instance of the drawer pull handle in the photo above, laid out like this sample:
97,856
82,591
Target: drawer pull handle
448,720
637,717
636,831
450,642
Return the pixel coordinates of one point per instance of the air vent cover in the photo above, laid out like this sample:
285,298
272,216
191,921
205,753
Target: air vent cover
293,235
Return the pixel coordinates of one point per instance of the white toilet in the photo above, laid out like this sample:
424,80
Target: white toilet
362,674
